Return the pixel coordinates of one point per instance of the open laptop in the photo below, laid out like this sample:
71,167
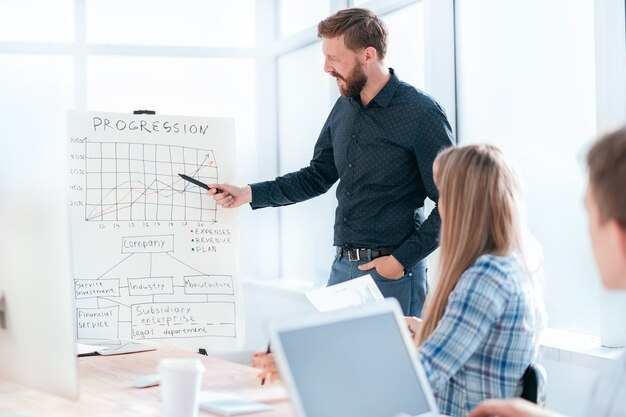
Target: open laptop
357,362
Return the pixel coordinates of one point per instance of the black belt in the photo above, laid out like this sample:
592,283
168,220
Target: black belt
365,254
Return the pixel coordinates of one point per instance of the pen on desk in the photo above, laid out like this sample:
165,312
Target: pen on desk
267,351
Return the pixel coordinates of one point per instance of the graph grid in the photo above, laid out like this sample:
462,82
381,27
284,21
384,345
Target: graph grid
139,182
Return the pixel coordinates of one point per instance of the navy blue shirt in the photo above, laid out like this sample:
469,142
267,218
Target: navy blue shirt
383,155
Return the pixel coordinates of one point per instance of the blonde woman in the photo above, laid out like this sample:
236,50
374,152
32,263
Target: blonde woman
479,332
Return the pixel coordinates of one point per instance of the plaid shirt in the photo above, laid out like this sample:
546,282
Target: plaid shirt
486,338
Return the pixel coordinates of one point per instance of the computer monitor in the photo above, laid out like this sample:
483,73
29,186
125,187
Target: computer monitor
37,344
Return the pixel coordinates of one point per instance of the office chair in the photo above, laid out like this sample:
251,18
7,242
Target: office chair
534,384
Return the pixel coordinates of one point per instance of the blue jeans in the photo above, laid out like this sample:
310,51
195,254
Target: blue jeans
410,290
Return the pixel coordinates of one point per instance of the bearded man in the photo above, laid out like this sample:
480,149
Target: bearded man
379,141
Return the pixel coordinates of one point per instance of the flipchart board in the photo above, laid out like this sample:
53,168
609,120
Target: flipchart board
154,257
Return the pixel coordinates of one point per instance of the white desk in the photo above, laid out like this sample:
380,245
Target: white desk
106,388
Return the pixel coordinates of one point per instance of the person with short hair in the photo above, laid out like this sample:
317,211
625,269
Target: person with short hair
379,141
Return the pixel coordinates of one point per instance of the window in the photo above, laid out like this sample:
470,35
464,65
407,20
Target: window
532,93
191,57
406,43
297,16
36,21
304,99
181,23
36,92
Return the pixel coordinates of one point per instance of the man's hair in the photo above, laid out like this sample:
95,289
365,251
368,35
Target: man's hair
607,175
361,28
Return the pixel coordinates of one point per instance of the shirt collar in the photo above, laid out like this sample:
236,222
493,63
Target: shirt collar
384,96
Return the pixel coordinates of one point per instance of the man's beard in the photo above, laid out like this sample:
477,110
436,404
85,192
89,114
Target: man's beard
354,82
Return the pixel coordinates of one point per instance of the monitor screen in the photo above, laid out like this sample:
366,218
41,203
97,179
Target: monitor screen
354,368
37,344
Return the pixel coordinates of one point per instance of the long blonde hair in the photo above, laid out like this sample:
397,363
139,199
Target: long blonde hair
478,203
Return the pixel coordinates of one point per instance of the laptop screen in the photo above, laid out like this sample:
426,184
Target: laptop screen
358,367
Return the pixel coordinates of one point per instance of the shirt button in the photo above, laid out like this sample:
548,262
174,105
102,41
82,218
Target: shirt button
348,193
353,136
345,219
345,245
349,165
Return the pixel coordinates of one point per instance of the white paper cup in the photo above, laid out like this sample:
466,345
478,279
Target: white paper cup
180,386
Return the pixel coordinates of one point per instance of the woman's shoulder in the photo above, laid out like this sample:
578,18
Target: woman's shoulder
498,262
488,284
495,269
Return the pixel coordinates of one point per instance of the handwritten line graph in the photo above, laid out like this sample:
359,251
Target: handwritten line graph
139,182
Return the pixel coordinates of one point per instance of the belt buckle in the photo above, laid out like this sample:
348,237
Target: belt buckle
358,255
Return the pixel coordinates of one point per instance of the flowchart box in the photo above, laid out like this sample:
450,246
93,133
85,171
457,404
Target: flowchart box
97,323
151,285
209,284
93,288
183,320
148,244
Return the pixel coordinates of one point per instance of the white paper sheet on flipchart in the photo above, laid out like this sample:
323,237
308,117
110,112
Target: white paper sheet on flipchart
154,258
351,293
